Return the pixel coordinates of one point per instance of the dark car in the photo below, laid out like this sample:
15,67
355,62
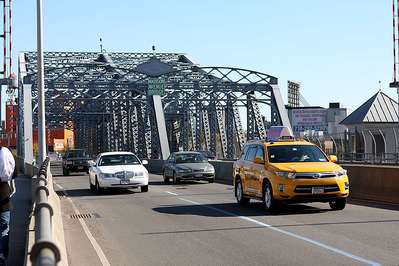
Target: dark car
188,166
209,155
76,160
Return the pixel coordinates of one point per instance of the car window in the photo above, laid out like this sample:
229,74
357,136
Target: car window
252,153
244,152
260,153
295,153
190,158
119,160
77,153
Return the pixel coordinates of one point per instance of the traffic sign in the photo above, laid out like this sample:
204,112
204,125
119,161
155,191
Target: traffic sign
156,86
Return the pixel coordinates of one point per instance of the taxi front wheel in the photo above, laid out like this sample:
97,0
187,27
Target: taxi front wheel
268,199
338,204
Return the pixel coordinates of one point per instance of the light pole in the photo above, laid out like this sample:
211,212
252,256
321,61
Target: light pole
40,84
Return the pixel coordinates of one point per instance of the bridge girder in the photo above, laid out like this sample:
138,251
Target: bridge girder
103,98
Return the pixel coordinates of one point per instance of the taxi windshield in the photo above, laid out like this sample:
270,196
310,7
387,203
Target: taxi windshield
295,153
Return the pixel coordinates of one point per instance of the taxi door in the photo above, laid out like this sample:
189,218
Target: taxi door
249,169
257,170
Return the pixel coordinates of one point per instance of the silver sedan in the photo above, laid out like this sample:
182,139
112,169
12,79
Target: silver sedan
188,166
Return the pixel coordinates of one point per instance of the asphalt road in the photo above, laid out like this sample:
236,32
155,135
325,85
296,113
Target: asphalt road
198,223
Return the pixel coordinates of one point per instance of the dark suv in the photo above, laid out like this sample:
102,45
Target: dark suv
75,161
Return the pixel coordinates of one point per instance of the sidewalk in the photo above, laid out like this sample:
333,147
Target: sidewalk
21,202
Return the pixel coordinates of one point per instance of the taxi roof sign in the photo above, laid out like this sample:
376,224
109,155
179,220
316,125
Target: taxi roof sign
279,133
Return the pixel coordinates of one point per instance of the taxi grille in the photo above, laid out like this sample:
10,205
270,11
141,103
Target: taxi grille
315,196
308,189
315,175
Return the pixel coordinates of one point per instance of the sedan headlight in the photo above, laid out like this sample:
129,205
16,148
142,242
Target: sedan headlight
105,175
140,174
341,172
209,169
289,175
69,162
184,170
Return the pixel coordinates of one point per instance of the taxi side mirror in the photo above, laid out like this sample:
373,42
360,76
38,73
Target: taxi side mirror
258,160
332,158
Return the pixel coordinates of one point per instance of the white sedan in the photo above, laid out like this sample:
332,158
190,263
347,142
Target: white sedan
118,170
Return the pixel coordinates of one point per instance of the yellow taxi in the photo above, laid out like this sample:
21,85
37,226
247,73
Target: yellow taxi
282,169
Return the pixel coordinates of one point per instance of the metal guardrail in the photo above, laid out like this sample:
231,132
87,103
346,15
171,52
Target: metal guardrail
371,158
45,250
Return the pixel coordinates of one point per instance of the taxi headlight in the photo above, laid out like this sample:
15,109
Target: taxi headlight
106,175
341,172
289,175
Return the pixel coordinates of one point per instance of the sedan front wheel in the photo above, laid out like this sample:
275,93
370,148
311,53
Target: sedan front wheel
175,179
99,189
92,187
165,178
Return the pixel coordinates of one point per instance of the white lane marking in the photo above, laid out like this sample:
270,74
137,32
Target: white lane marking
174,194
96,246
288,233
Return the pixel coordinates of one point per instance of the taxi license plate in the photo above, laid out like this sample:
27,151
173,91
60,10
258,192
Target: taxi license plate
125,181
80,167
198,175
317,190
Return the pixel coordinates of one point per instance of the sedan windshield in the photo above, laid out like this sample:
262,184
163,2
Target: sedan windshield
77,153
125,159
295,153
190,158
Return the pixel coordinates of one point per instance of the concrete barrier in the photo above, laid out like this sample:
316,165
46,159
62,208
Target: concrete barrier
58,228
369,182
373,182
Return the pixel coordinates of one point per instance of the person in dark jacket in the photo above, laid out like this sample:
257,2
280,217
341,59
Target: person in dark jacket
5,208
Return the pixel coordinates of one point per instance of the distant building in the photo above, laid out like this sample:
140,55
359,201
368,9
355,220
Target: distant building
317,121
56,140
373,127
334,115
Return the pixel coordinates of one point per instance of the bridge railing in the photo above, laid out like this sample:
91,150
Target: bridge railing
372,158
45,250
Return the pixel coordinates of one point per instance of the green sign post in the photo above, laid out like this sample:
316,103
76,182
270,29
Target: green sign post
156,86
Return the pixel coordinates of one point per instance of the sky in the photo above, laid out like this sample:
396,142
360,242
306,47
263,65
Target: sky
339,51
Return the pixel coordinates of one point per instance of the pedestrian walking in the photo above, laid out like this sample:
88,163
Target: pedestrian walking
8,171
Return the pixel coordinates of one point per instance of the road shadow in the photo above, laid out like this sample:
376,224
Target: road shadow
374,204
86,192
233,209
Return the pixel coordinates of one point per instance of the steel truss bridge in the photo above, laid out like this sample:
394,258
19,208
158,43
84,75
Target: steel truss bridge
104,98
